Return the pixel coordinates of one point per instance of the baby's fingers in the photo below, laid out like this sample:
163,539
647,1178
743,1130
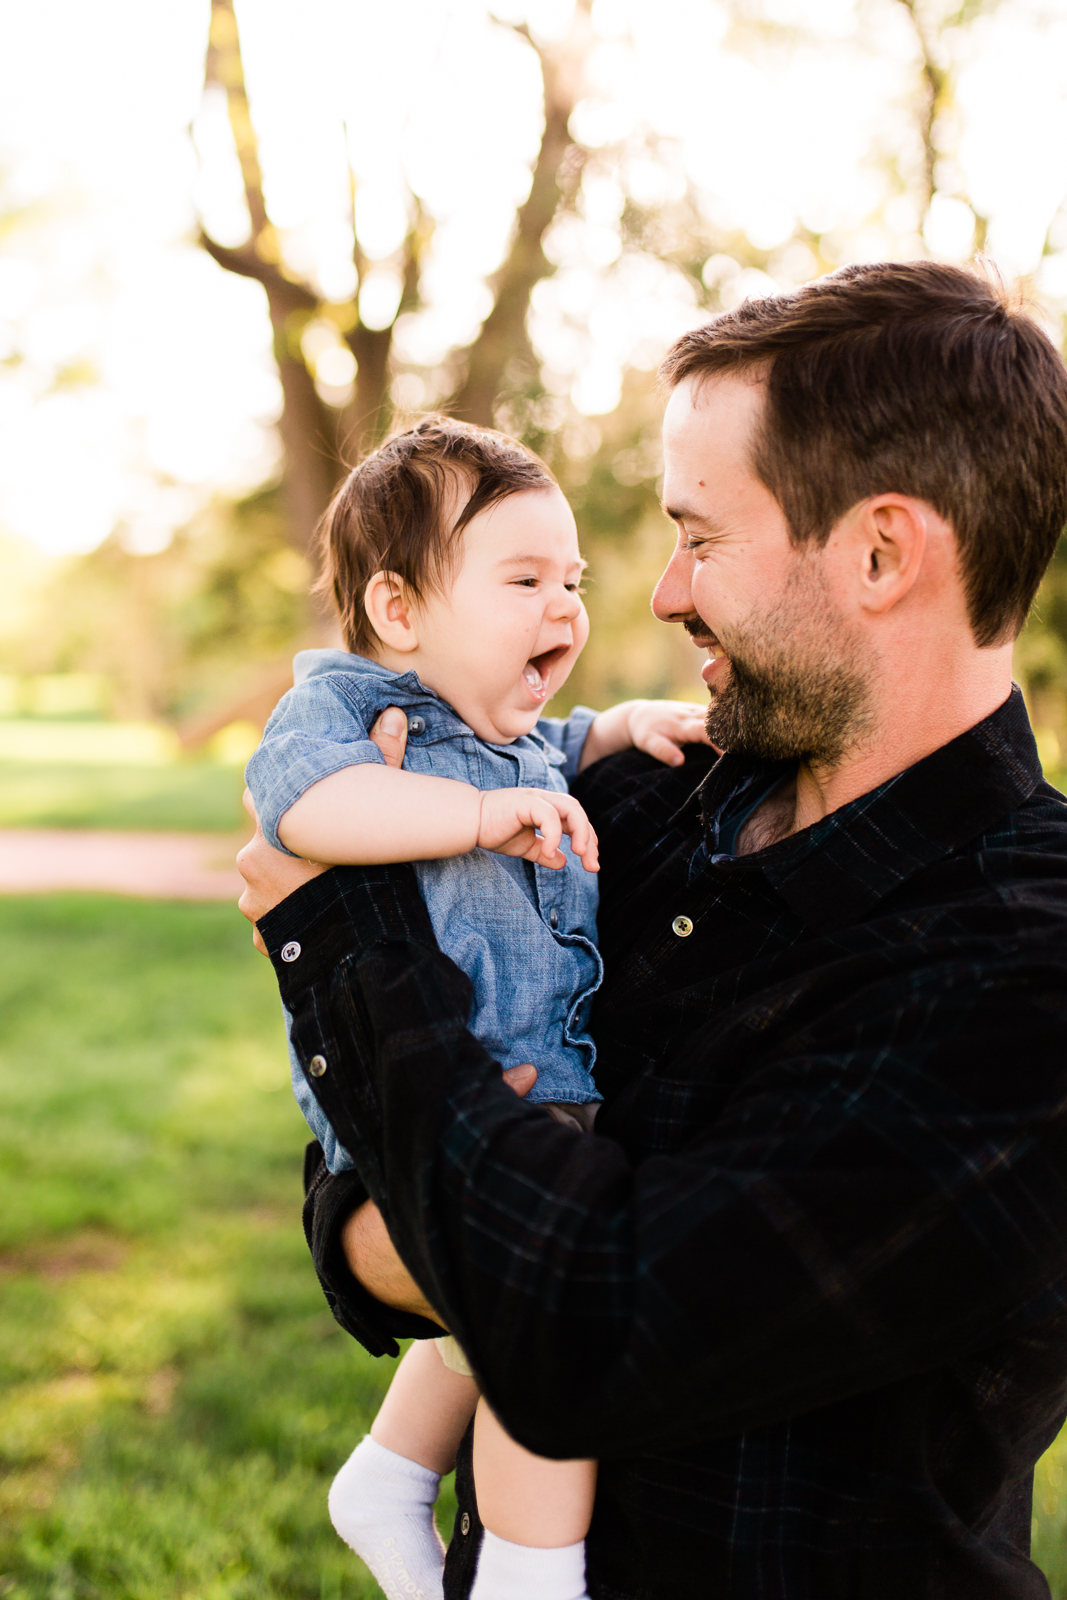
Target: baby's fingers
583,838
663,748
549,824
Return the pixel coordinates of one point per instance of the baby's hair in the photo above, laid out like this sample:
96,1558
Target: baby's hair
391,513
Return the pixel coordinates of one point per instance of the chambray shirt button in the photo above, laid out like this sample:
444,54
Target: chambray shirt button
416,725
553,918
317,1066
465,1524
290,951
682,926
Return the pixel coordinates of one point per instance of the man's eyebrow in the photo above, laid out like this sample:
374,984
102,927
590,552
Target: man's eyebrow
695,519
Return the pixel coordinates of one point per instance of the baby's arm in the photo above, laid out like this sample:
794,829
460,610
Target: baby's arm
366,814
659,727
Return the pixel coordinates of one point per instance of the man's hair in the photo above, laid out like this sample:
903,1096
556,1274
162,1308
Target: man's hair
914,378
392,512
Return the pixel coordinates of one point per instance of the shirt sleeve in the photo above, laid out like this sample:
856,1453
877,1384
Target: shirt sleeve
314,730
858,1212
568,736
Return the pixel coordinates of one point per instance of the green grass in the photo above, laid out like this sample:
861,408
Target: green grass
192,796
174,1395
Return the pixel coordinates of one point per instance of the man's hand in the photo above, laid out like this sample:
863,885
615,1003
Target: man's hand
369,1250
270,875
531,823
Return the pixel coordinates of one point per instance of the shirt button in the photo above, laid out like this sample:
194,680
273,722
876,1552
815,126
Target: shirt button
465,1524
682,926
290,951
553,918
416,725
317,1066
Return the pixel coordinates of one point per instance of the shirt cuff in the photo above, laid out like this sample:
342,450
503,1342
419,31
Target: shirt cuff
342,913
330,1199
569,737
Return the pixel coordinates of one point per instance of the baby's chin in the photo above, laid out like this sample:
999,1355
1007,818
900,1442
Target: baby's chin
500,725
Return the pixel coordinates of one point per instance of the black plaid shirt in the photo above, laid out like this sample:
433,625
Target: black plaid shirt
803,1294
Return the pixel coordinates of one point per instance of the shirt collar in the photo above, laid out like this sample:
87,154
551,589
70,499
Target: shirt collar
407,689
314,663
836,871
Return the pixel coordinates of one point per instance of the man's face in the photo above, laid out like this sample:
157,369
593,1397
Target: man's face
785,665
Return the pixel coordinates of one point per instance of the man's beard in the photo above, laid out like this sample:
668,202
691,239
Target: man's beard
795,687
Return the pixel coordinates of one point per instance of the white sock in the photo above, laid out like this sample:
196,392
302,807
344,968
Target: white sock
509,1571
382,1505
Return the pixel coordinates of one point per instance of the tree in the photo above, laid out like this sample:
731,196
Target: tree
320,440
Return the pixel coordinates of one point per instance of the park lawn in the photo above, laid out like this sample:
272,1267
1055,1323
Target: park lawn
174,1395
180,796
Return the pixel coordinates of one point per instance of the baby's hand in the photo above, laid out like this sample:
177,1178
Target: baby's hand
531,823
661,727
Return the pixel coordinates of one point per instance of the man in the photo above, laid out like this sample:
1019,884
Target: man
803,1294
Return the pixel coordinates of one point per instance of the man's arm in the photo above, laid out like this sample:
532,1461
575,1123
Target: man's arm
840,1224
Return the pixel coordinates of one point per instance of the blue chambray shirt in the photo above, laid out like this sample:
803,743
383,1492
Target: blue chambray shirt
525,935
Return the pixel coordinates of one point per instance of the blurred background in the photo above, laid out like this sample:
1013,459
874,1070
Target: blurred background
238,240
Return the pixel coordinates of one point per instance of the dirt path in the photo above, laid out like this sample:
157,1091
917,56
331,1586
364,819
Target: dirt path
157,866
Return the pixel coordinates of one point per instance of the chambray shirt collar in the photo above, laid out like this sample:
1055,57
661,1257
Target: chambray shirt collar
406,689
835,872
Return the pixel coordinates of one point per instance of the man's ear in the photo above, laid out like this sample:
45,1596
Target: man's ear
390,612
888,539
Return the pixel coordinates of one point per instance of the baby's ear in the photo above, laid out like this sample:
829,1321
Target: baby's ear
390,612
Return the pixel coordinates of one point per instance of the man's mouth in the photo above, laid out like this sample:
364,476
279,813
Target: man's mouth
704,639
537,673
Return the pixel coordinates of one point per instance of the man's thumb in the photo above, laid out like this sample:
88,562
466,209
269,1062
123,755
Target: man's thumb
390,734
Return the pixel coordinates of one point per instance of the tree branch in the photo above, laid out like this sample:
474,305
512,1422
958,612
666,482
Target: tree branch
503,334
245,263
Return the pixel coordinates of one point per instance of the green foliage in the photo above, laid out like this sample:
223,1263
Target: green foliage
174,1396
1040,664
181,629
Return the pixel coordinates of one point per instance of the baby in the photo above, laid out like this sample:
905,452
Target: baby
453,559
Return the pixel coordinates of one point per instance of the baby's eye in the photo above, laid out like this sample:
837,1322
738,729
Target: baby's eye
574,588
527,583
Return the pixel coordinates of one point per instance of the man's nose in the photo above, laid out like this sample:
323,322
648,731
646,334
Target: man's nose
672,598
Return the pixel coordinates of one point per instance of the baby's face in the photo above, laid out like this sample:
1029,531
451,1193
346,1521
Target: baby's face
504,636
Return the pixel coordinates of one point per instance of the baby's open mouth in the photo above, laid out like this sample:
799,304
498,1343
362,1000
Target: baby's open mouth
537,673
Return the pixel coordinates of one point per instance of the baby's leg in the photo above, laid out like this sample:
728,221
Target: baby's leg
536,1514
426,1410
381,1501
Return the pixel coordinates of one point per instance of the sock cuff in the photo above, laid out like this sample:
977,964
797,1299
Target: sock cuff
520,1569
388,1462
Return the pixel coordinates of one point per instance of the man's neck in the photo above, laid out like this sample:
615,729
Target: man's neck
918,725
